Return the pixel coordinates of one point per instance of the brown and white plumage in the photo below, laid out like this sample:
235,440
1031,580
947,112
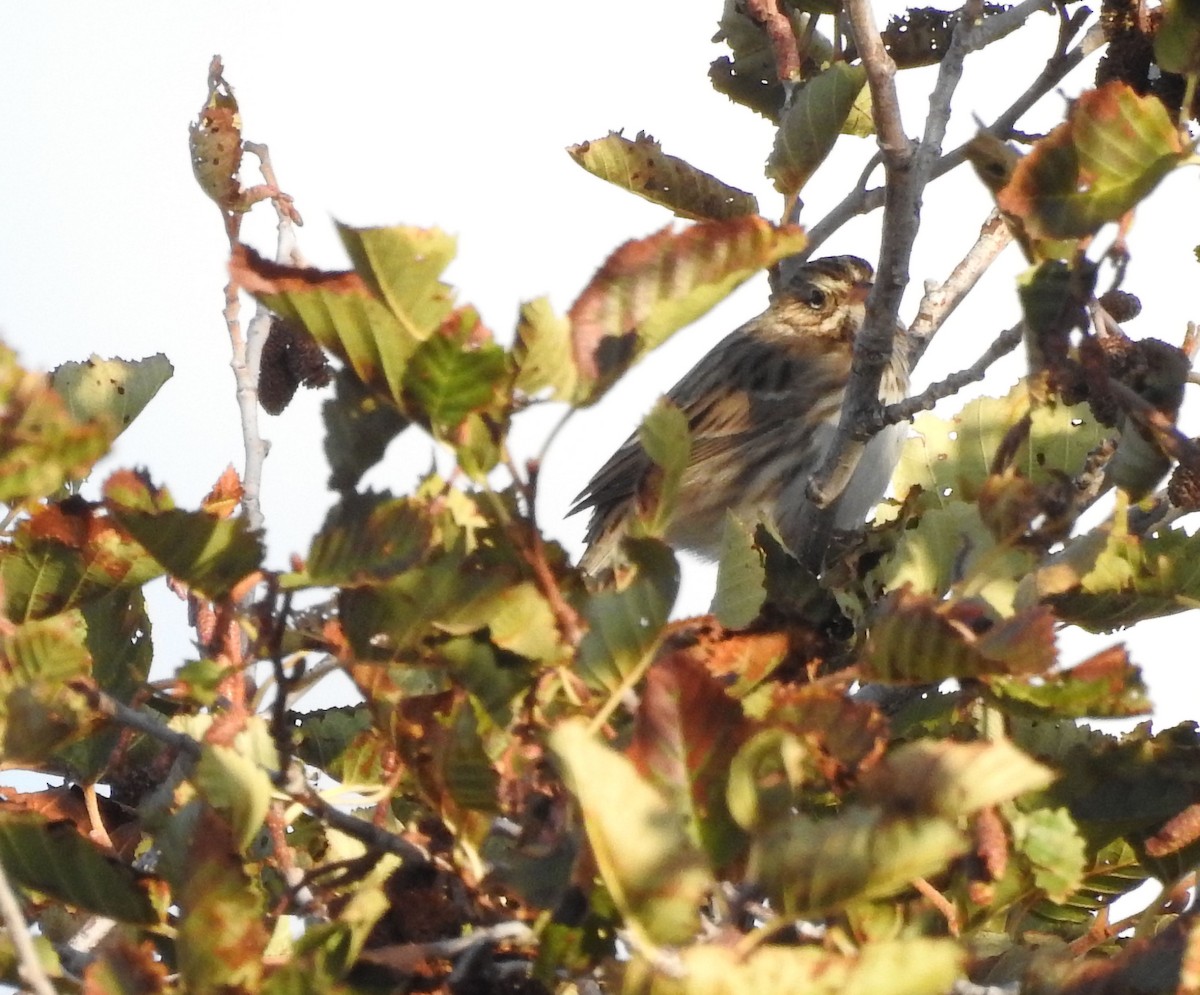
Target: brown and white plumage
762,408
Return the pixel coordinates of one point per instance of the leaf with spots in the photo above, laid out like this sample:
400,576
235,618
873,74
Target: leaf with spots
1111,152
111,392
649,288
641,167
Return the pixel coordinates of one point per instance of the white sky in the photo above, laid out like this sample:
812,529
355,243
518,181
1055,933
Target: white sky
448,115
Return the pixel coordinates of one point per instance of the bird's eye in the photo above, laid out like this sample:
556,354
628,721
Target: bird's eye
816,298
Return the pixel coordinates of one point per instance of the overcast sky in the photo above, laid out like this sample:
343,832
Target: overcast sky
433,114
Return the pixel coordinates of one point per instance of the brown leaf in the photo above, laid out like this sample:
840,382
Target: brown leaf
225,496
850,736
258,275
126,967
991,842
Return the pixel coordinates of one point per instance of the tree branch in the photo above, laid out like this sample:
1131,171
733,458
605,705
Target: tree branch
28,965
907,172
940,300
247,352
293,784
1005,343
861,200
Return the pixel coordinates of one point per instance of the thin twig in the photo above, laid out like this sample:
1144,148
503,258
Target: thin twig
861,200
281,727
373,836
296,788
1005,343
941,300
941,903
28,965
142,722
247,352
779,30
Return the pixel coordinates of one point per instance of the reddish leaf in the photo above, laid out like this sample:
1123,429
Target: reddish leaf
686,732
849,735
1112,150
225,495
650,287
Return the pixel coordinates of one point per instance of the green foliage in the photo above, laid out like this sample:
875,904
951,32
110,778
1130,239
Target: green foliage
545,763
815,116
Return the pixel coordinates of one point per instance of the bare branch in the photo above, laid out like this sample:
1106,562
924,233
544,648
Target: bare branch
293,783
907,172
375,837
247,352
1005,343
940,300
861,200
873,343
28,965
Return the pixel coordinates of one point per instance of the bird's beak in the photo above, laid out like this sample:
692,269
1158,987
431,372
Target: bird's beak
859,292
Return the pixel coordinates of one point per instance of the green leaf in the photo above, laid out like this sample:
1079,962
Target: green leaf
1049,840
358,428
1177,37
542,353
118,639
948,544
38,711
923,639
650,865
467,772
53,858
517,619
110,391
896,967
391,620
236,785
65,556
950,458
1106,686
1106,579
812,867
209,554
651,287
741,576
366,539
815,116
221,933
767,777
496,681
340,311
450,377
952,779
642,168
1110,153
322,736
665,437
401,266
624,625
41,445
